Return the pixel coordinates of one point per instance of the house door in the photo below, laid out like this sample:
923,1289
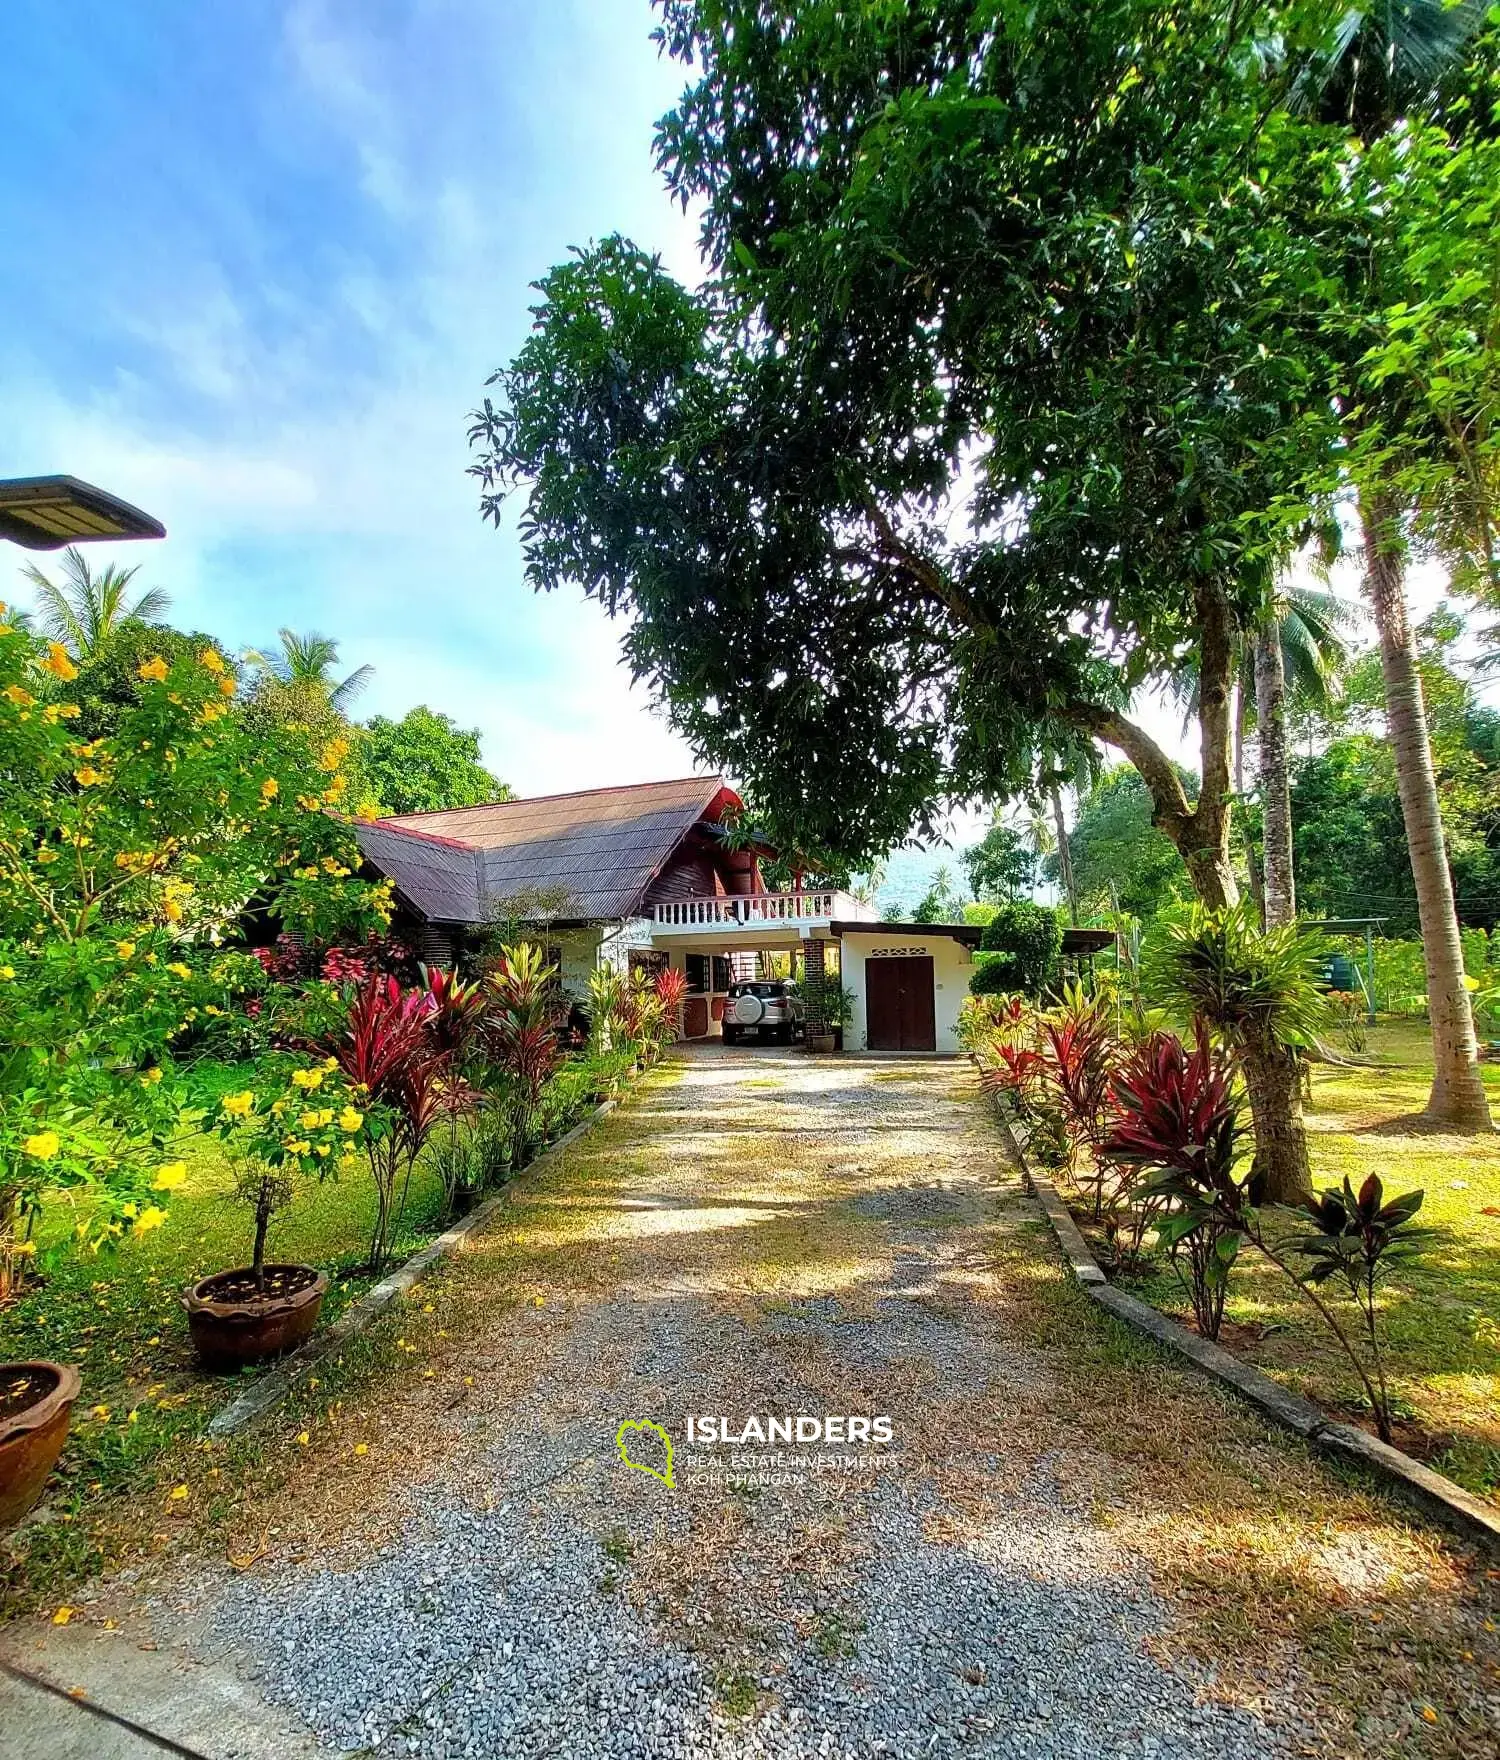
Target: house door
900,1006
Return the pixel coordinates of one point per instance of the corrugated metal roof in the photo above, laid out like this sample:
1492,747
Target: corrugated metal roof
586,856
437,876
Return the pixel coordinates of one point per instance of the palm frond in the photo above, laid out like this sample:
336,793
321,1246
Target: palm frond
342,695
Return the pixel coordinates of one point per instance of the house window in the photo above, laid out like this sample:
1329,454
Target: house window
697,973
647,961
723,973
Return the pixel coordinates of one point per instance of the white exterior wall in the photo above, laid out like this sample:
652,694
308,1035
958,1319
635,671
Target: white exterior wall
952,967
580,954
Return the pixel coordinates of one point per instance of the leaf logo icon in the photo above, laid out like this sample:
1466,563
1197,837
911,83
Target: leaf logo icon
634,1426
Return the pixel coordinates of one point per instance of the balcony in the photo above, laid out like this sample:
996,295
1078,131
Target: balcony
766,912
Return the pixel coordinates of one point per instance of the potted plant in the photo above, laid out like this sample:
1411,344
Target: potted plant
36,1405
837,1010
260,1310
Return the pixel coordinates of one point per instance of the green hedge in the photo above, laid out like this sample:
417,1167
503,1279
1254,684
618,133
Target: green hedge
1025,942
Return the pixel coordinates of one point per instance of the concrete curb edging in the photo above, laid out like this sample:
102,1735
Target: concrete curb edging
1436,1495
271,1388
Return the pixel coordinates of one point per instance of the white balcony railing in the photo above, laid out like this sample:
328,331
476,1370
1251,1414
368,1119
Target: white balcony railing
743,910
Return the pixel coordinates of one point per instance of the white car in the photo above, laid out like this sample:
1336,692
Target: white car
768,1009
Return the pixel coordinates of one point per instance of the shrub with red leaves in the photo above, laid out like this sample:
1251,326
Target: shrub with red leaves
388,1052
1177,1109
671,987
1178,1112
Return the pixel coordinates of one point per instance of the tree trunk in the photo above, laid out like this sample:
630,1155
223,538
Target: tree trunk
1064,854
1457,1098
1274,1084
1252,854
262,1225
1275,783
1201,835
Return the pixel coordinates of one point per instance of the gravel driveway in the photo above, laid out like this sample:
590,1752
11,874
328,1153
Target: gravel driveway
760,1234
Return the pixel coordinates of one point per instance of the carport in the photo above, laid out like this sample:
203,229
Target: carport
908,980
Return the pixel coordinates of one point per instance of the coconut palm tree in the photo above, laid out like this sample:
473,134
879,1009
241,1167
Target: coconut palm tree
84,609
1296,657
1300,669
1385,63
311,661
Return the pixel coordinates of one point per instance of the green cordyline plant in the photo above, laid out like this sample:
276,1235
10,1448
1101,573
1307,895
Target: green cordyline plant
520,1027
606,1007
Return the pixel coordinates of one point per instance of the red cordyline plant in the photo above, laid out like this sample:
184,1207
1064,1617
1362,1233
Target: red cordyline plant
671,988
1081,1048
1177,1112
388,1052
455,1011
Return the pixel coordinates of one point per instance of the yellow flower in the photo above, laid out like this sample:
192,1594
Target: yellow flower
124,949
361,1448
150,1077
322,1151
226,686
179,970
238,1105
87,776
211,659
329,1063
170,1177
153,1216
62,1616
7,972
300,1146
178,1493
44,1145
350,1120
44,856
303,1439
58,663
269,789
14,694
306,1078
154,668
102,1414
310,1120
68,711
172,910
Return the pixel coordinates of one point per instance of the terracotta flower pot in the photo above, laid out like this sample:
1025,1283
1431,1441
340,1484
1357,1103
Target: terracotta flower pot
231,1324
820,1042
36,1404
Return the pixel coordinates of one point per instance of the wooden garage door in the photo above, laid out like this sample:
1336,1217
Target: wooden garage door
900,1007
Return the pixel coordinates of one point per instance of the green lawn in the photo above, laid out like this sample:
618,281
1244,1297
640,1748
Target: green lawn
1442,1312
119,1318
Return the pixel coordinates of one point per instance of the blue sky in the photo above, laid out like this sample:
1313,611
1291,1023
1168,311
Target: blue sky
259,260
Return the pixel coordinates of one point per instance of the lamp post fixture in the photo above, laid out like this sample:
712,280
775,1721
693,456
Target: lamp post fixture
45,513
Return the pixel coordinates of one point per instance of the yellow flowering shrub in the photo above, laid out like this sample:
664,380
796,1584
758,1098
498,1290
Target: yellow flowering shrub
124,859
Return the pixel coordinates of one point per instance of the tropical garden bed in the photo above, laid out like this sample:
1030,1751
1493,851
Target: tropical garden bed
1440,1310
1144,1136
